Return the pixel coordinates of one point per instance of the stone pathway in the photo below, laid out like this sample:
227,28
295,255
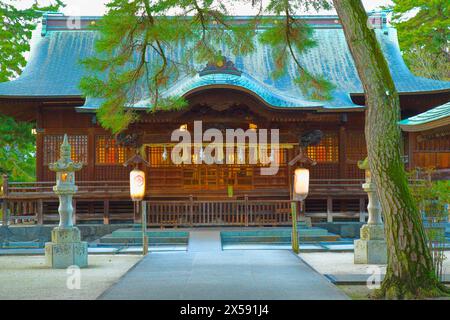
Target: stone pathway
206,272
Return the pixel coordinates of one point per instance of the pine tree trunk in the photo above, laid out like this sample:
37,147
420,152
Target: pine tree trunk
410,272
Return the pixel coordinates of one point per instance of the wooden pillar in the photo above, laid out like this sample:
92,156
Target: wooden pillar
191,209
290,174
136,212
5,212
147,171
294,234
74,215
5,216
39,157
91,154
342,152
5,186
362,210
144,227
411,147
106,212
329,209
40,212
246,210
39,146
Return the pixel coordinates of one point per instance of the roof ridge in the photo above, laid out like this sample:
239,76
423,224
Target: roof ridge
52,21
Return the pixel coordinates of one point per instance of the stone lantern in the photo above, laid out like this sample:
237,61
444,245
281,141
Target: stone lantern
66,248
371,247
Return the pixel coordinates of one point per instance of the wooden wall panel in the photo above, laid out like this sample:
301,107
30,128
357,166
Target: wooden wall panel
346,144
355,150
430,149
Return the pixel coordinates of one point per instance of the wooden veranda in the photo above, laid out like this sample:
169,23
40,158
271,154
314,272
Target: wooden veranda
109,202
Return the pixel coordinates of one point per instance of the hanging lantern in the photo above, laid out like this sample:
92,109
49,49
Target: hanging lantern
301,184
137,184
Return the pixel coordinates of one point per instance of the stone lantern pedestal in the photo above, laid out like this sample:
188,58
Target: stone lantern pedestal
371,247
66,248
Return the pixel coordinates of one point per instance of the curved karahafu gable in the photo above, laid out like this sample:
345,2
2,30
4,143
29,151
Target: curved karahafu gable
54,69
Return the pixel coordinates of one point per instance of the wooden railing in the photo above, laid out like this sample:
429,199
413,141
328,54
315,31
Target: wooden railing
105,200
84,187
28,189
226,212
336,187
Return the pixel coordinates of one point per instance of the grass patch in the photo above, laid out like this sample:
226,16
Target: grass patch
355,292
361,292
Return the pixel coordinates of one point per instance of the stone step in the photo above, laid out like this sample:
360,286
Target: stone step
139,243
21,244
280,240
280,236
134,237
121,233
285,232
138,239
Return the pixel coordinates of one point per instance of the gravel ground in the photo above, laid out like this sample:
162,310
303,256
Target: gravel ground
342,263
336,263
26,277
359,292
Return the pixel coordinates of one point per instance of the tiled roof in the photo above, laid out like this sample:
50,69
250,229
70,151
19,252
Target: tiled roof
54,69
436,117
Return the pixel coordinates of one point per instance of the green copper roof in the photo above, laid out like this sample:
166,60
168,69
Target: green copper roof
270,95
438,116
54,69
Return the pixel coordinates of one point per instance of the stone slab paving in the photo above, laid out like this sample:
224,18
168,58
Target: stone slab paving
206,272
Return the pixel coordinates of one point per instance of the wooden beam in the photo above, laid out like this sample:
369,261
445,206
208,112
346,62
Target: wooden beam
412,136
106,212
136,212
5,213
40,211
91,154
329,209
362,210
74,216
342,152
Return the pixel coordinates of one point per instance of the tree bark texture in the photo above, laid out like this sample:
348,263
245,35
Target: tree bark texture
410,272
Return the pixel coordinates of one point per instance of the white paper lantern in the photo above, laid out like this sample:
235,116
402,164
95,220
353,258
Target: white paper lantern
301,184
137,184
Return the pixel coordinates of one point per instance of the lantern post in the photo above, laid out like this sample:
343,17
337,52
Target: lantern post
137,194
300,188
299,194
371,248
66,248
